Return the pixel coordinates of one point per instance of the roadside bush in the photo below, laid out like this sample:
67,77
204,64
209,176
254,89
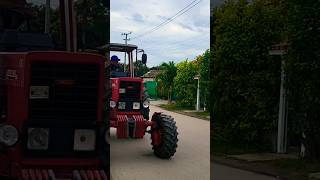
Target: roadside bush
204,66
245,78
303,72
185,85
165,79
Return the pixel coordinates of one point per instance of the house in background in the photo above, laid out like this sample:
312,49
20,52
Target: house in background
151,75
149,80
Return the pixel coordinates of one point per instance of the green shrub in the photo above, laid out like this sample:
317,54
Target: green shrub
246,78
303,72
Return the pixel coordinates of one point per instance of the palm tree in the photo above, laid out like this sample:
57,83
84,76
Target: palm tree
166,77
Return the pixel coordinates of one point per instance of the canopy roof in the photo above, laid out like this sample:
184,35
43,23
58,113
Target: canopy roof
118,47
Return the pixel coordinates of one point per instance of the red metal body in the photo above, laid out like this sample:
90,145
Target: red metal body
115,84
17,82
120,119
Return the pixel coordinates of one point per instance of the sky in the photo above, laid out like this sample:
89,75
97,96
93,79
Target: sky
183,38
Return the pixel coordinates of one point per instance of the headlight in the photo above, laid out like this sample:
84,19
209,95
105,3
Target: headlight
146,104
38,138
136,105
84,140
8,135
122,105
122,90
113,104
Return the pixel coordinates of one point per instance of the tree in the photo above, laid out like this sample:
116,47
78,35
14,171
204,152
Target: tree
37,22
245,78
140,68
203,70
92,23
303,72
185,84
166,78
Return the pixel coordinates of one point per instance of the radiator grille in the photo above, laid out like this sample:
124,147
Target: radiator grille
60,144
132,91
76,101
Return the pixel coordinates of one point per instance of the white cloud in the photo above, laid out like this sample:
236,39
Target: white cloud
185,37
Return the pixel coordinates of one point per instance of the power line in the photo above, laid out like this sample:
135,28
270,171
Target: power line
179,43
179,13
166,44
204,33
173,50
168,20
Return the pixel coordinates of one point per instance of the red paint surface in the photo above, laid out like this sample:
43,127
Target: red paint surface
17,108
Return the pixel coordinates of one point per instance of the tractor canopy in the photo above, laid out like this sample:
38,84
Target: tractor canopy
123,69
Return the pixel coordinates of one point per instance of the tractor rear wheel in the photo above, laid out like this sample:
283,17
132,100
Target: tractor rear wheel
168,137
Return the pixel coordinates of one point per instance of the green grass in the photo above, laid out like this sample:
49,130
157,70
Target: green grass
292,169
204,114
296,169
174,107
221,148
180,109
297,165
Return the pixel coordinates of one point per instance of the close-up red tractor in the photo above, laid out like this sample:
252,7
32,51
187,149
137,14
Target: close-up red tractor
52,123
130,105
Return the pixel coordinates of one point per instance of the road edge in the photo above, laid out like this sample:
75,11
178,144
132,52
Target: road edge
227,161
243,166
183,113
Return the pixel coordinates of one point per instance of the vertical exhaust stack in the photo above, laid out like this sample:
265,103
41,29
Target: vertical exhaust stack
69,29
47,17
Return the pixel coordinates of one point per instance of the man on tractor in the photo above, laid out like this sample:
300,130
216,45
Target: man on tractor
129,107
114,64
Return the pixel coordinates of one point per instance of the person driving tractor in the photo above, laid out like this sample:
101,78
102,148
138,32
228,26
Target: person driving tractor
115,66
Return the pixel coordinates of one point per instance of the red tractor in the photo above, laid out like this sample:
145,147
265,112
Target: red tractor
130,106
52,123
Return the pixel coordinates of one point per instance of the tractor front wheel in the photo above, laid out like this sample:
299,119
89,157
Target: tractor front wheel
164,136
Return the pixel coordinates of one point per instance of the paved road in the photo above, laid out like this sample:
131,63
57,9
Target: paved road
134,159
220,172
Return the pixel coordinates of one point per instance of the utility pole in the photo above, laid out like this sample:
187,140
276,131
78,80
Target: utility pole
126,39
280,50
198,92
282,122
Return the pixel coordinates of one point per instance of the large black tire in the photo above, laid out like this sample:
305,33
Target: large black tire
169,137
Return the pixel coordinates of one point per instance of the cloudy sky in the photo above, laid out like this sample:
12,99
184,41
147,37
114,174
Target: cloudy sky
185,37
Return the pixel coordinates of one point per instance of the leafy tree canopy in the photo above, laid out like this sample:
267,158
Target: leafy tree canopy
245,78
185,84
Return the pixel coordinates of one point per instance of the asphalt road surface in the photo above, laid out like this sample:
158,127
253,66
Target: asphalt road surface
220,172
133,159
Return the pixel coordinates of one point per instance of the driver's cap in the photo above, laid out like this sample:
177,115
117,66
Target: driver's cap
115,58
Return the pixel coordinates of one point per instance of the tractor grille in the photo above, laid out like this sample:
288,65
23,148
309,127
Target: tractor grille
73,92
132,93
60,144
129,107
71,103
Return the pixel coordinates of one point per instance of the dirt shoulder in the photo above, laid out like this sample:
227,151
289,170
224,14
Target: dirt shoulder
188,112
291,169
